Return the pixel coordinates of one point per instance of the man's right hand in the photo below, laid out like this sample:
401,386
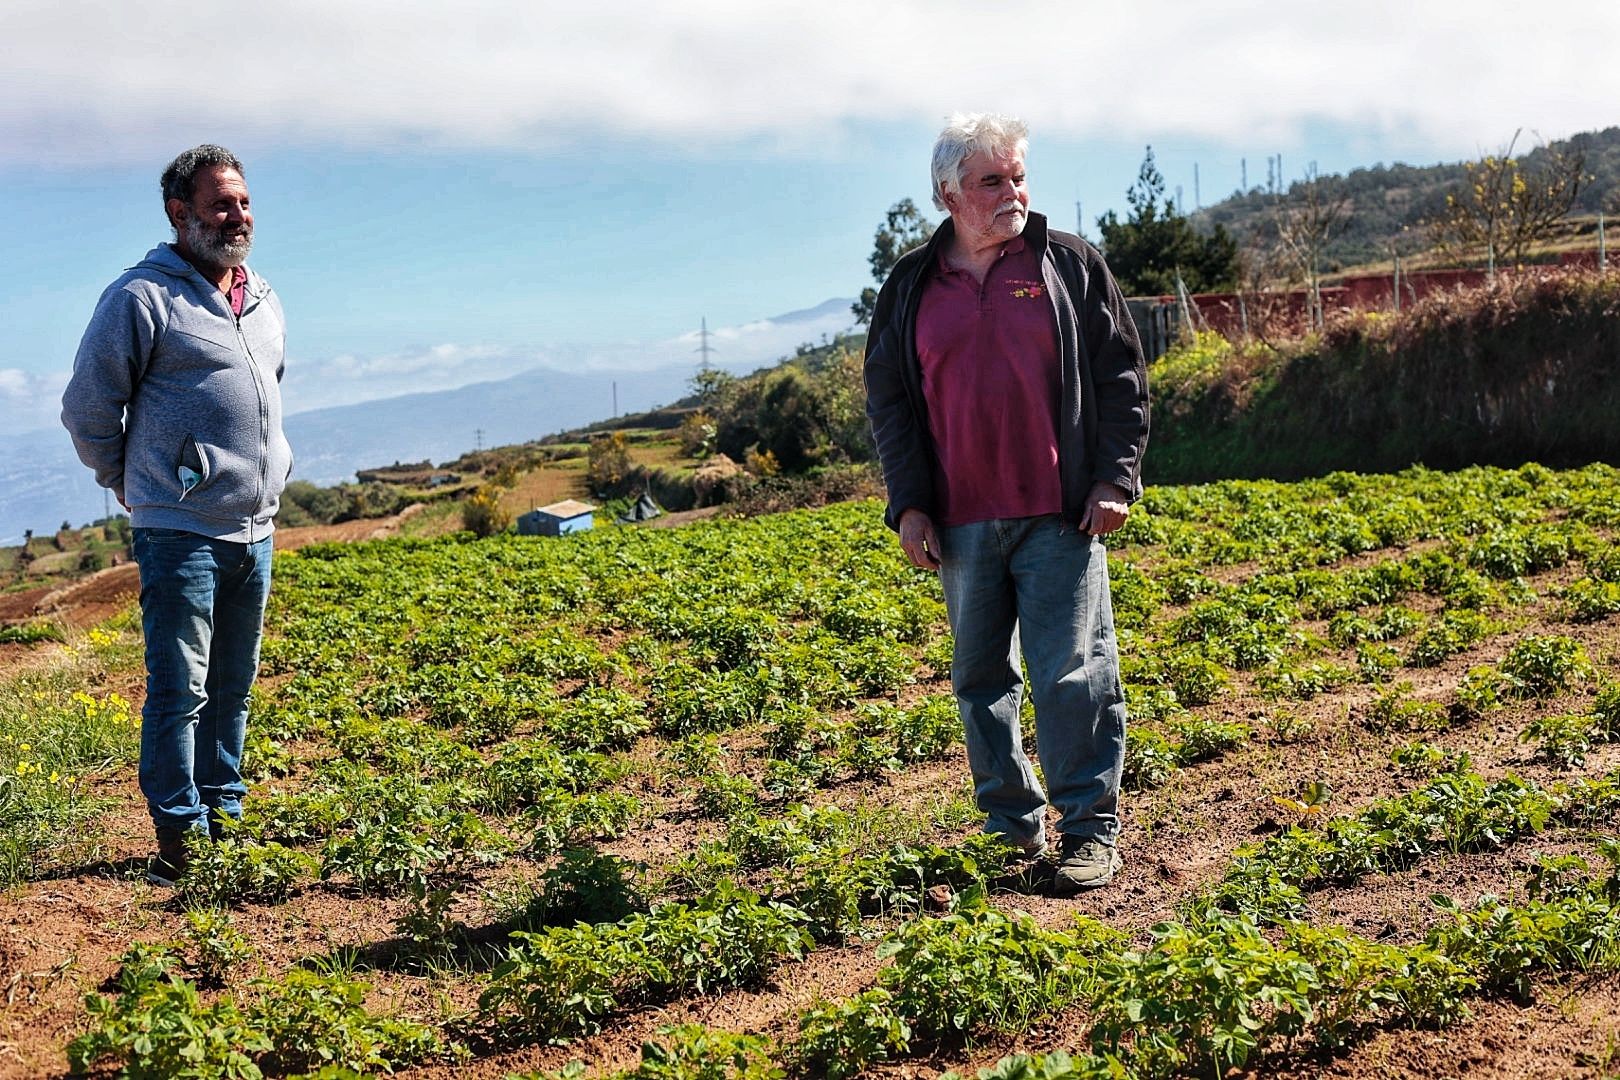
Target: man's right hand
919,540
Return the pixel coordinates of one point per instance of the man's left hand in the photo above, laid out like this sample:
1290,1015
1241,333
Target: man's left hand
1107,507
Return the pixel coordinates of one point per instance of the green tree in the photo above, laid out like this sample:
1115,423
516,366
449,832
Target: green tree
809,412
1148,249
903,228
711,384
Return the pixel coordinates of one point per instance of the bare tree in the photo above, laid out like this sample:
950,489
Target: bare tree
1504,209
1313,212
1262,312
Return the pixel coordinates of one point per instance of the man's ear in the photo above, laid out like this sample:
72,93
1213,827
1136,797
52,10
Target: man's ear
176,209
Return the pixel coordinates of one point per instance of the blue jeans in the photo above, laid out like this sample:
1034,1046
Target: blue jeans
202,611
1040,583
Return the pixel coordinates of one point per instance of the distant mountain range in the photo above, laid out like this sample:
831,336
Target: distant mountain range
42,483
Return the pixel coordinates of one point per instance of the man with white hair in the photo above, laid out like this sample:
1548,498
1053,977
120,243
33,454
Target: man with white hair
1008,400
175,403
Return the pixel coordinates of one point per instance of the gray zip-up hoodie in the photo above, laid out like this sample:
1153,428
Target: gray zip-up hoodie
176,404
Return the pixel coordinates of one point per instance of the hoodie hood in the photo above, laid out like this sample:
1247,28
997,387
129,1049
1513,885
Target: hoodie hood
166,259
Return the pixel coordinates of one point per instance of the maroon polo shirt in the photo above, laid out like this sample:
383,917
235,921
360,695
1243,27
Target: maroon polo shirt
991,380
237,293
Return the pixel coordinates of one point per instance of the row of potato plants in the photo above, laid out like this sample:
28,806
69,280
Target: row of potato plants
1215,987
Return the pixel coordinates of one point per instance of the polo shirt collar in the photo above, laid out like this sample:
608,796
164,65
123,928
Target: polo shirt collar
1012,247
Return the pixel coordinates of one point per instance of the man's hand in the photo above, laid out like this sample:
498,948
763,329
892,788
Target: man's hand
919,540
1107,507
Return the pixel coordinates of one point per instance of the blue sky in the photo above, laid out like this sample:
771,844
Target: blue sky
449,193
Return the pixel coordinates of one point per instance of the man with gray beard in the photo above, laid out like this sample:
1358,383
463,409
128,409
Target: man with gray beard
175,403
1008,400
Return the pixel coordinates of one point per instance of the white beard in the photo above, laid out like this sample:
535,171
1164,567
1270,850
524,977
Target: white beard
208,245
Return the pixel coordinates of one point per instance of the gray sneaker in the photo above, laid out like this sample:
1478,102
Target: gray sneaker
1085,863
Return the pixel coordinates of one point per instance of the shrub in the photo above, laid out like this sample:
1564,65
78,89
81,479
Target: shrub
586,886
482,513
607,464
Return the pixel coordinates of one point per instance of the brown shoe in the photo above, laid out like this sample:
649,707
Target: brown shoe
171,860
1085,863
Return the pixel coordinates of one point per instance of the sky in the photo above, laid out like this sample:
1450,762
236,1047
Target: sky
449,193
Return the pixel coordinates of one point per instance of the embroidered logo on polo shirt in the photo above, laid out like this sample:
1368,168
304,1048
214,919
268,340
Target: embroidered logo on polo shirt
1027,290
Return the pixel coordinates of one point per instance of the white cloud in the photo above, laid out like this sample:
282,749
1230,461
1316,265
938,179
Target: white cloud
30,400
85,82
348,378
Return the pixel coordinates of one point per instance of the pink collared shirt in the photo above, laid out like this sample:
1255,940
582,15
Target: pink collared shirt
991,380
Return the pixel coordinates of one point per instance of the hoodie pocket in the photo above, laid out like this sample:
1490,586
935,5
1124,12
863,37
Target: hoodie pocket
192,468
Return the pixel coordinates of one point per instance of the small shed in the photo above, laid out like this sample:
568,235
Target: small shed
568,516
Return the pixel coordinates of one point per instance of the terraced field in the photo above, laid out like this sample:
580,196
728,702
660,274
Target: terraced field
692,803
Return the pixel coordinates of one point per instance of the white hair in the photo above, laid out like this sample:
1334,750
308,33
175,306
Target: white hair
966,134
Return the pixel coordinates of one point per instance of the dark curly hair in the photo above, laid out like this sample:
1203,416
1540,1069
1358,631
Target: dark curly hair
180,178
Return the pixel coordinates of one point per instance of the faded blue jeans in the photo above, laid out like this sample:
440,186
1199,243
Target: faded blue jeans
1040,583
202,611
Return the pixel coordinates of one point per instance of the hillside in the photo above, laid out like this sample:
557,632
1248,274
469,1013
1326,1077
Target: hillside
1390,203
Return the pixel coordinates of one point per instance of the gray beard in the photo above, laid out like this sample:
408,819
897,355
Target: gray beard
207,244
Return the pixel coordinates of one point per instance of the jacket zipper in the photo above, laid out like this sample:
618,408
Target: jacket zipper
264,424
